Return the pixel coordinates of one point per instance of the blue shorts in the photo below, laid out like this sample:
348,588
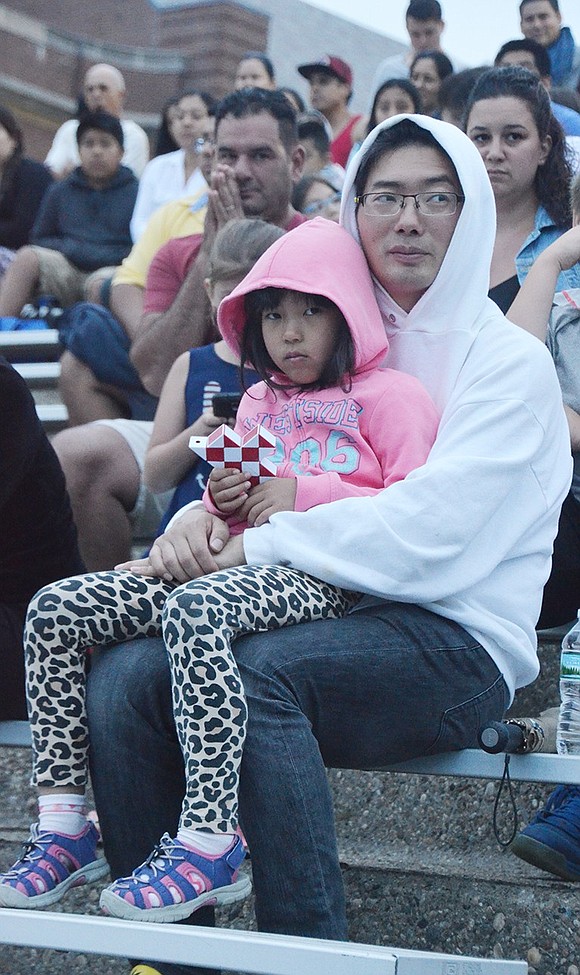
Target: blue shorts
95,337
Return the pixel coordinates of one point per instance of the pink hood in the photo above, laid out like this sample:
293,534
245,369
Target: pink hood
319,257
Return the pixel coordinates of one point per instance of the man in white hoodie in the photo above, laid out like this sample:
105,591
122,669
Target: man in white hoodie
452,560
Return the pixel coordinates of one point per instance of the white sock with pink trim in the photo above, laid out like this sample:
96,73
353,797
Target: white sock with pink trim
212,844
62,812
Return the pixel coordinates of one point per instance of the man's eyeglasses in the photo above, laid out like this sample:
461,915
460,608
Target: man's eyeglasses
320,205
389,204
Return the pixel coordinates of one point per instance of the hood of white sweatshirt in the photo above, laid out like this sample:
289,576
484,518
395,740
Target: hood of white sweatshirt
432,340
469,534
318,257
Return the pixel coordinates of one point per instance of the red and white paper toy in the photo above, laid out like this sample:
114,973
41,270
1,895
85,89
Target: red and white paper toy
249,453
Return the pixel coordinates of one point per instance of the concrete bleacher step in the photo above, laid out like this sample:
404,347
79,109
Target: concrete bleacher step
423,869
53,416
35,355
39,375
34,345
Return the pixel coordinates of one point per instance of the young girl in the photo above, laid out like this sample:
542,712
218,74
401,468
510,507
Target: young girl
186,404
351,428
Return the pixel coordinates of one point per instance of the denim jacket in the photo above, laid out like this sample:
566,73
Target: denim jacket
545,232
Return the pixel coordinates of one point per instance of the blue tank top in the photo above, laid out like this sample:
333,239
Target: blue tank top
207,375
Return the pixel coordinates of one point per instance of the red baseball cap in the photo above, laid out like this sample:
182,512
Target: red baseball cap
330,64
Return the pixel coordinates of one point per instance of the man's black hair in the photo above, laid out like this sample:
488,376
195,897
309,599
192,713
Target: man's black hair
539,54
338,372
254,101
102,122
553,3
424,10
404,133
311,128
455,91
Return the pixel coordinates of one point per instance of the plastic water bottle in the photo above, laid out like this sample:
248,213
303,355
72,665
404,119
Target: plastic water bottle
568,735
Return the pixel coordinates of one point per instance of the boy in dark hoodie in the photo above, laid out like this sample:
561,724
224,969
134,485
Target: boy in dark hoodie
82,226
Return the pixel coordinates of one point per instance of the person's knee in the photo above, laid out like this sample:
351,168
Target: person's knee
26,262
98,461
129,686
74,374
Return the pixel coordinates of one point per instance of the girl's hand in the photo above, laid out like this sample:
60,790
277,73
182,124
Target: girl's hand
265,499
139,567
228,488
206,424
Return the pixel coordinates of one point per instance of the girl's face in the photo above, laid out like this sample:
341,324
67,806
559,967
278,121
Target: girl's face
504,131
7,146
251,73
190,121
321,201
301,336
425,77
393,101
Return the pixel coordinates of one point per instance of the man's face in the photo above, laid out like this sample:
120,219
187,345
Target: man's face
100,155
327,92
263,168
540,22
425,35
405,251
102,93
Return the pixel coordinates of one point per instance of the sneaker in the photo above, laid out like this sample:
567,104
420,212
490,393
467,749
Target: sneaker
49,865
175,881
552,840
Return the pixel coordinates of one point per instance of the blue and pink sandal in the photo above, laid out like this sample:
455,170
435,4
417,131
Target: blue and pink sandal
175,881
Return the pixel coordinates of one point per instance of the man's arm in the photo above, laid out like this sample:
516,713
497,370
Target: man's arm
162,336
126,304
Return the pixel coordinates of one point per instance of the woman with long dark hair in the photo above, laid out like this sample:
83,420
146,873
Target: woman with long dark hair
23,183
509,119
176,174
428,72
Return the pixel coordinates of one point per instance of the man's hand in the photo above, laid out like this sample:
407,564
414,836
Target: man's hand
232,553
223,203
187,550
228,488
265,499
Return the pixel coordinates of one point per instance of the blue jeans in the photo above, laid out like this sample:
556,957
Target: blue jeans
383,685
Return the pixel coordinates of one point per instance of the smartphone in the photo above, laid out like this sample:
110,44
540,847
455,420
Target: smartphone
225,405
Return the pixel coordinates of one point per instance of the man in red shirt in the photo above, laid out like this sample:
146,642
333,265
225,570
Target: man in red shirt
330,80
257,161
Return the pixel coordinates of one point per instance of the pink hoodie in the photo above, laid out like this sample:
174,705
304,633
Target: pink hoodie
356,442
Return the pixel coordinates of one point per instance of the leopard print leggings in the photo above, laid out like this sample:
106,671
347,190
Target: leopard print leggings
198,620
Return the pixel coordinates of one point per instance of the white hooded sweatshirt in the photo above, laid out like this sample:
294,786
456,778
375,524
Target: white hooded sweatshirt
469,534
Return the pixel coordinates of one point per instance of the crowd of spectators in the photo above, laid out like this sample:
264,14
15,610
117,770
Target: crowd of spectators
133,250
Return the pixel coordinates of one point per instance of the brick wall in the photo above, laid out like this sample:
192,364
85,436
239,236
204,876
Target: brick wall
42,66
